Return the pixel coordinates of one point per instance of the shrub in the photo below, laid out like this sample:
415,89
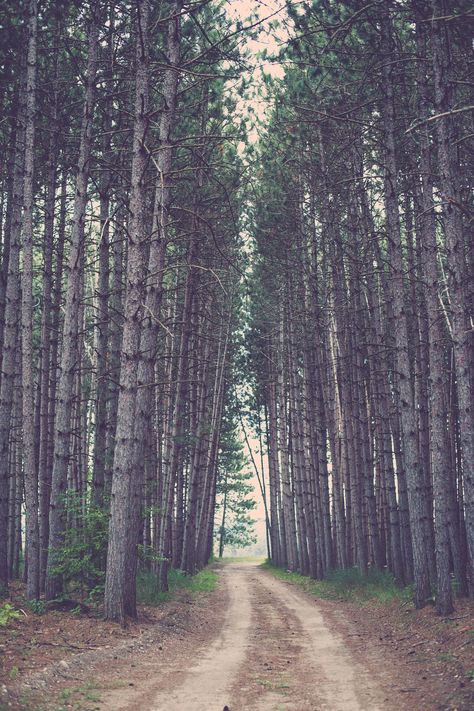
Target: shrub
36,606
7,614
81,558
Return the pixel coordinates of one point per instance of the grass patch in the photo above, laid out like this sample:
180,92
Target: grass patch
348,584
277,685
203,581
240,559
78,698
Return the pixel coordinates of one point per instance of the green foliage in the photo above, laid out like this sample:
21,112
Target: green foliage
96,593
147,553
203,581
80,559
348,584
234,524
239,531
36,606
8,613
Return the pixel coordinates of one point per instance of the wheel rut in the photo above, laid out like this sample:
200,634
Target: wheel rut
272,650
294,661
276,669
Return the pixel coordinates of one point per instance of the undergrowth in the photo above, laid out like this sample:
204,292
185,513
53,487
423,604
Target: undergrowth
7,614
203,581
348,584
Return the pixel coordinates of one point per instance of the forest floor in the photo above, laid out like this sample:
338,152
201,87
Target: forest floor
256,643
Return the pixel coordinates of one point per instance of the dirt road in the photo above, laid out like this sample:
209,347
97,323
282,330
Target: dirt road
272,650
255,643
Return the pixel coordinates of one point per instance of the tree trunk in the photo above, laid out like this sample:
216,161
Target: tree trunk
68,365
439,444
121,557
28,411
161,219
455,263
10,340
45,405
414,471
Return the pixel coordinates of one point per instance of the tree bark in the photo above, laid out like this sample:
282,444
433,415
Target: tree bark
68,364
414,471
28,409
455,263
10,339
120,599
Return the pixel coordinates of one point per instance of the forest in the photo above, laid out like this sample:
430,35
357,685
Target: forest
196,251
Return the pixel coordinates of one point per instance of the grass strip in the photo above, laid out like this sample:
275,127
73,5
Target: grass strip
203,581
348,585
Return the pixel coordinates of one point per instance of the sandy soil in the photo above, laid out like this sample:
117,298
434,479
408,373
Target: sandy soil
273,651
255,644
200,677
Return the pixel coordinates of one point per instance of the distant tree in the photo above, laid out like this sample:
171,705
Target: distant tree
234,525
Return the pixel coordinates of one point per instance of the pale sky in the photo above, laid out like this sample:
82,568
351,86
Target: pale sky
254,101
267,10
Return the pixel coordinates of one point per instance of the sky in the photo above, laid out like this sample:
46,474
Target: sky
257,100
267,10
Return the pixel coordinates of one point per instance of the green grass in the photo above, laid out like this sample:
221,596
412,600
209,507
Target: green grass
203,581
273,685
240,559
348,584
